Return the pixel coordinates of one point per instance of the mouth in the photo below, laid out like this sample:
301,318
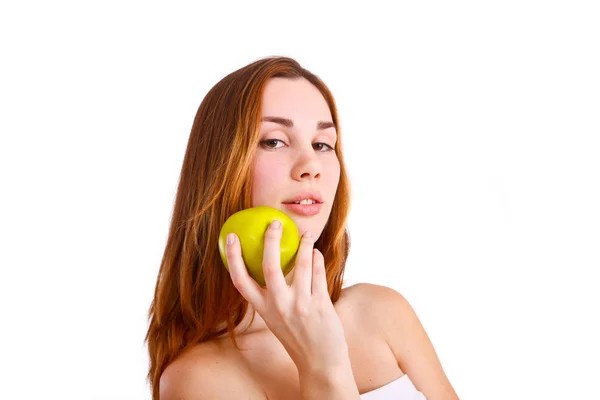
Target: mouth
305,197
304,209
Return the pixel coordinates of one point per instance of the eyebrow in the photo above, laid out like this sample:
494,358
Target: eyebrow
288,123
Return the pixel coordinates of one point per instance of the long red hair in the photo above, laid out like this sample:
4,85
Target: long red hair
194,294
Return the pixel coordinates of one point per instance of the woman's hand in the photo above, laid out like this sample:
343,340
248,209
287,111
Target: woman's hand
302,315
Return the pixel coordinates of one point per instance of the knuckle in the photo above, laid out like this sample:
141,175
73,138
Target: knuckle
230,251
321,307
321,299
308,240
307,265
281,308
272,233
266,265
238,282
301,309
319,271
306,261
268,271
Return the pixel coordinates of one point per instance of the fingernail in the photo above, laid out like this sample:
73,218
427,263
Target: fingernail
275,224
307,234
230,238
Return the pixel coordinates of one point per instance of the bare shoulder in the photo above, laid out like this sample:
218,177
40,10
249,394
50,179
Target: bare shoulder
203,373
366,300
383,308
389,312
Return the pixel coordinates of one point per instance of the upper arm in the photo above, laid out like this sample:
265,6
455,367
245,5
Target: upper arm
409,342
207,378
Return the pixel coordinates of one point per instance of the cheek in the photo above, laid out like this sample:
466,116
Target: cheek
267,177
333,173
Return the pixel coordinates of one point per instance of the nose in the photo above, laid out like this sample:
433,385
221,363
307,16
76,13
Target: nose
307,166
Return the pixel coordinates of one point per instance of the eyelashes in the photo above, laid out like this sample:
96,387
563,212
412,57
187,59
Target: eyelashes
264,144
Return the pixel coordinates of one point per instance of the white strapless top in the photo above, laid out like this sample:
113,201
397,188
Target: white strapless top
400,389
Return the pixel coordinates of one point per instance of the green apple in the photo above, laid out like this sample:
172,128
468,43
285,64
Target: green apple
250,226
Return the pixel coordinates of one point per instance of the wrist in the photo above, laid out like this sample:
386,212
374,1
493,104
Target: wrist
332,383
326,372
328,377
328,369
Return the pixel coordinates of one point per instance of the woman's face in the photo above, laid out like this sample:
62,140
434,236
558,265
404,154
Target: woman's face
297,155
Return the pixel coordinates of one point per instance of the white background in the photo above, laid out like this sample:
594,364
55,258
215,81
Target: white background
471,131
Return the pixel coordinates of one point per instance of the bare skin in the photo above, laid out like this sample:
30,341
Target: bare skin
383,336
269,372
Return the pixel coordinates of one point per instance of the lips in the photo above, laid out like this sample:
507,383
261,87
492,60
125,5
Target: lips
307,195
304,209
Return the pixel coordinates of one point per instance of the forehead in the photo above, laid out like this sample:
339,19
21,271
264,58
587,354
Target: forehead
295,99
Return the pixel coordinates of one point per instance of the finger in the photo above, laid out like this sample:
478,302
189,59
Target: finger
271,263
304,266
243,282
319,277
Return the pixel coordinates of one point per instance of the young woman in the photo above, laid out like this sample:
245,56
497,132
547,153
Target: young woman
268,135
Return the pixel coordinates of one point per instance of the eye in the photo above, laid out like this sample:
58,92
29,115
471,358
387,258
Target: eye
264,143
269,142
325,144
